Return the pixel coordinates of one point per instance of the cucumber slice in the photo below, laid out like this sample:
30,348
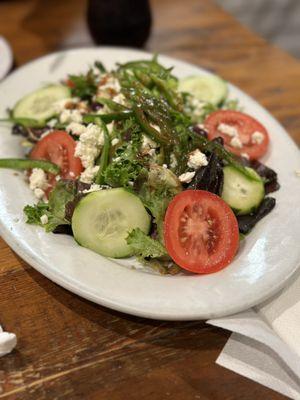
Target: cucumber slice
40,105
242,193
208,88
102,220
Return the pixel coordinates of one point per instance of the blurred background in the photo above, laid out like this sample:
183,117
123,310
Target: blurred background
75,23
278,21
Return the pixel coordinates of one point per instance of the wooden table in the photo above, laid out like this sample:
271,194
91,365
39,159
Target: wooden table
70,348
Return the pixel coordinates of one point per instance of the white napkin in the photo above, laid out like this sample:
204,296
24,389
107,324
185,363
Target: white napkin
265,345
8,342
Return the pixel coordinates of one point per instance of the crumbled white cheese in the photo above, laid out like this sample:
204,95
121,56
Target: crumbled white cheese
58,178
75,128
197,106
173,159
151,152
38,182
60,105
94,188
257,137
44,134
200,126
68,116
147,145
155,126
115,141
44,219
110,127
39,193
52,122
109,86
186,177
197,159
165,166
228,130
89,145
120,99
88,175
8,342
236,142
245,155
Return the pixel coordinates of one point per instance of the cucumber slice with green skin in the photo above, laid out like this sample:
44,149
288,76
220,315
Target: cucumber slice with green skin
40,104
102,220
208,88
242,193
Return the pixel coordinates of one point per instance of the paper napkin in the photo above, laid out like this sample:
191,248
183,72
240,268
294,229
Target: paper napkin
265,345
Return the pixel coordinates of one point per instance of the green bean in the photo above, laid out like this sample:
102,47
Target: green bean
148,129
24,163
214,147
170,96
107,118
111,104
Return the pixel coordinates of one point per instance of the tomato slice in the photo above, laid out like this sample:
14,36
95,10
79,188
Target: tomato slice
252,137
58,147
201,232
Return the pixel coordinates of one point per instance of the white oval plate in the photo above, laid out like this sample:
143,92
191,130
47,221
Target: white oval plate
266,259
6,57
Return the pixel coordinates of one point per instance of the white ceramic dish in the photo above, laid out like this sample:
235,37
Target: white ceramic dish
266,259
6,57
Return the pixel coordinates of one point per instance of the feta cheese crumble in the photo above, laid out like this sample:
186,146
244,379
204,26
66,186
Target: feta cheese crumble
89,145
75,128
236,142
173,161
68,116
120,99
115,141
39,193
257,137
148,145
94,188
38,182
88,175
228,130
44,219
155,126
109,86
197,159
186,177
197,106
245,155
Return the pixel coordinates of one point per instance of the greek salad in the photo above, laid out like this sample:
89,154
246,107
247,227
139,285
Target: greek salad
136,162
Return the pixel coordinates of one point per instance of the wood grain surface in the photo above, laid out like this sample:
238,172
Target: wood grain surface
70,348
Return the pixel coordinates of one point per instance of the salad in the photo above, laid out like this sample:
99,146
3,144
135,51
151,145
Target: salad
135,162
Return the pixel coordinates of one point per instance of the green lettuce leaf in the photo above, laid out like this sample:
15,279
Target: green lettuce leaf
144,245
55,209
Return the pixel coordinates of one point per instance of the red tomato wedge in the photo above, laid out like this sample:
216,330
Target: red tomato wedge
58,147
253,138
201,231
